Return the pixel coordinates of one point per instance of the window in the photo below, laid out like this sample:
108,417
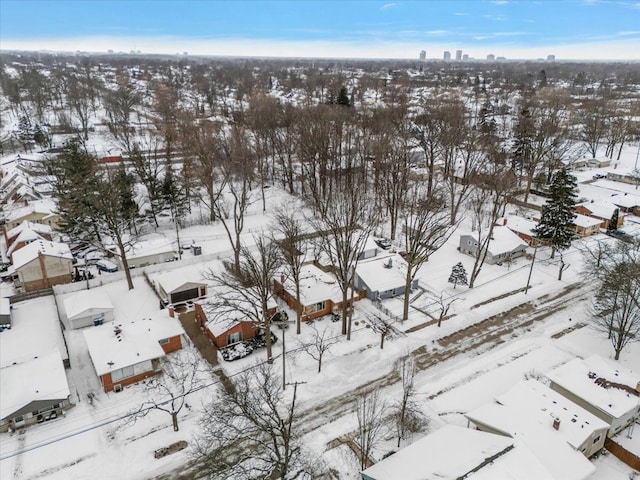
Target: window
98,321
164,341
596,440
319,306
125,372
234,338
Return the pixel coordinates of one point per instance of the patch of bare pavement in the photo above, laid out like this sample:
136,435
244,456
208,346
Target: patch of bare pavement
479,337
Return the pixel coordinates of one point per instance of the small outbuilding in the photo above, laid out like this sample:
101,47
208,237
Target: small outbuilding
87,308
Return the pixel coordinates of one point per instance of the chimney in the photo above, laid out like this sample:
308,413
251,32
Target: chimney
556,423
638,387
282,279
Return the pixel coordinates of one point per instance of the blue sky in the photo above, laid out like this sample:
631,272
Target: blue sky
580,29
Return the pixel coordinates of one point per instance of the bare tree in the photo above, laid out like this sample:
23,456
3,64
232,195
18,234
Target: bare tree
406,413
594,124
248,432
245,290
383,326
319,345
426,228
370,412
617,302
79,101
181,375
293,242
120,104
444,304
343,223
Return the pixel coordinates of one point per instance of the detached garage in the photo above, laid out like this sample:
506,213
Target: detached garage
87,308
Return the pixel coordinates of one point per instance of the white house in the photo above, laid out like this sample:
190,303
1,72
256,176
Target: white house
454,452
33,391
606,389
547,423
149,252
384,276
88,307
181,284
504,245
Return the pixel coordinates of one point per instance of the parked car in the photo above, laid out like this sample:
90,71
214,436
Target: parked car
106,266
383,243
598,176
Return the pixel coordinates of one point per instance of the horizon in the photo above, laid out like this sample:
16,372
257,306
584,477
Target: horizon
572,30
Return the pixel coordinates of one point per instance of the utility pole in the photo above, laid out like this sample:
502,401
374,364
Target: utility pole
533,260
283,324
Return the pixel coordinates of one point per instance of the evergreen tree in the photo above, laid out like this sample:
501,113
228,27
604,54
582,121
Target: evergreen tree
613,223
343,97
556,227
458,275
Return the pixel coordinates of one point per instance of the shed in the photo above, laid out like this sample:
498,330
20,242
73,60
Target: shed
174,287
88,307
5,311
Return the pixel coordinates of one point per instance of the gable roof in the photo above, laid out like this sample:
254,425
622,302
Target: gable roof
315,285
585,221
79,303
30,252
27,225
454,452
600,209
581,377
41,378
46,207
527,412
136,342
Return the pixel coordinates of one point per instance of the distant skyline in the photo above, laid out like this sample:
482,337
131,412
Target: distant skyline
568,29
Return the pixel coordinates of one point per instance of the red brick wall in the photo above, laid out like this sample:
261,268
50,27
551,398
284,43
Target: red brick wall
622,454
247,330
175,343
108,384
41,284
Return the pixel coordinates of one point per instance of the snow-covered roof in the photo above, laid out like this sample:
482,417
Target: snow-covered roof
527,412
137,342
175,279
504,241
217,322
41,378
580,377
45,206
35,330
5,306
586,222
450,453
32,226
600,209
315,285
25,236
149,247
626,201
79,303
377,274
518,224
30,252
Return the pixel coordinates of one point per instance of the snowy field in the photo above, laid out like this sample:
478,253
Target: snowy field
458,369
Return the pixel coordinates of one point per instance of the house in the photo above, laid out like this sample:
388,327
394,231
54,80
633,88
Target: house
37,211
586,226
26,233
383,277
369,250
125,353
320,293
42,264
624,176
503,246
149,252
33,391
607,390
225,325
627,203
598,162
5,312
601,211
454,452
546,421
87,308
35,331
523,227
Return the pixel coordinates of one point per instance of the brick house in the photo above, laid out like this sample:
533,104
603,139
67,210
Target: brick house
601,211
225,326
125,353
320,294
42,264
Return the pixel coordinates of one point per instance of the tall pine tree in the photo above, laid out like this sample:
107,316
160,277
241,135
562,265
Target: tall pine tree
556,227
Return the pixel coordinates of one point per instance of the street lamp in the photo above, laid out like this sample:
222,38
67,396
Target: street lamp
283,322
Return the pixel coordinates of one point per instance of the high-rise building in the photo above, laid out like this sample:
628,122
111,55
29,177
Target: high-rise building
447,56
423,55
465,57
491,57
551,58
458,55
